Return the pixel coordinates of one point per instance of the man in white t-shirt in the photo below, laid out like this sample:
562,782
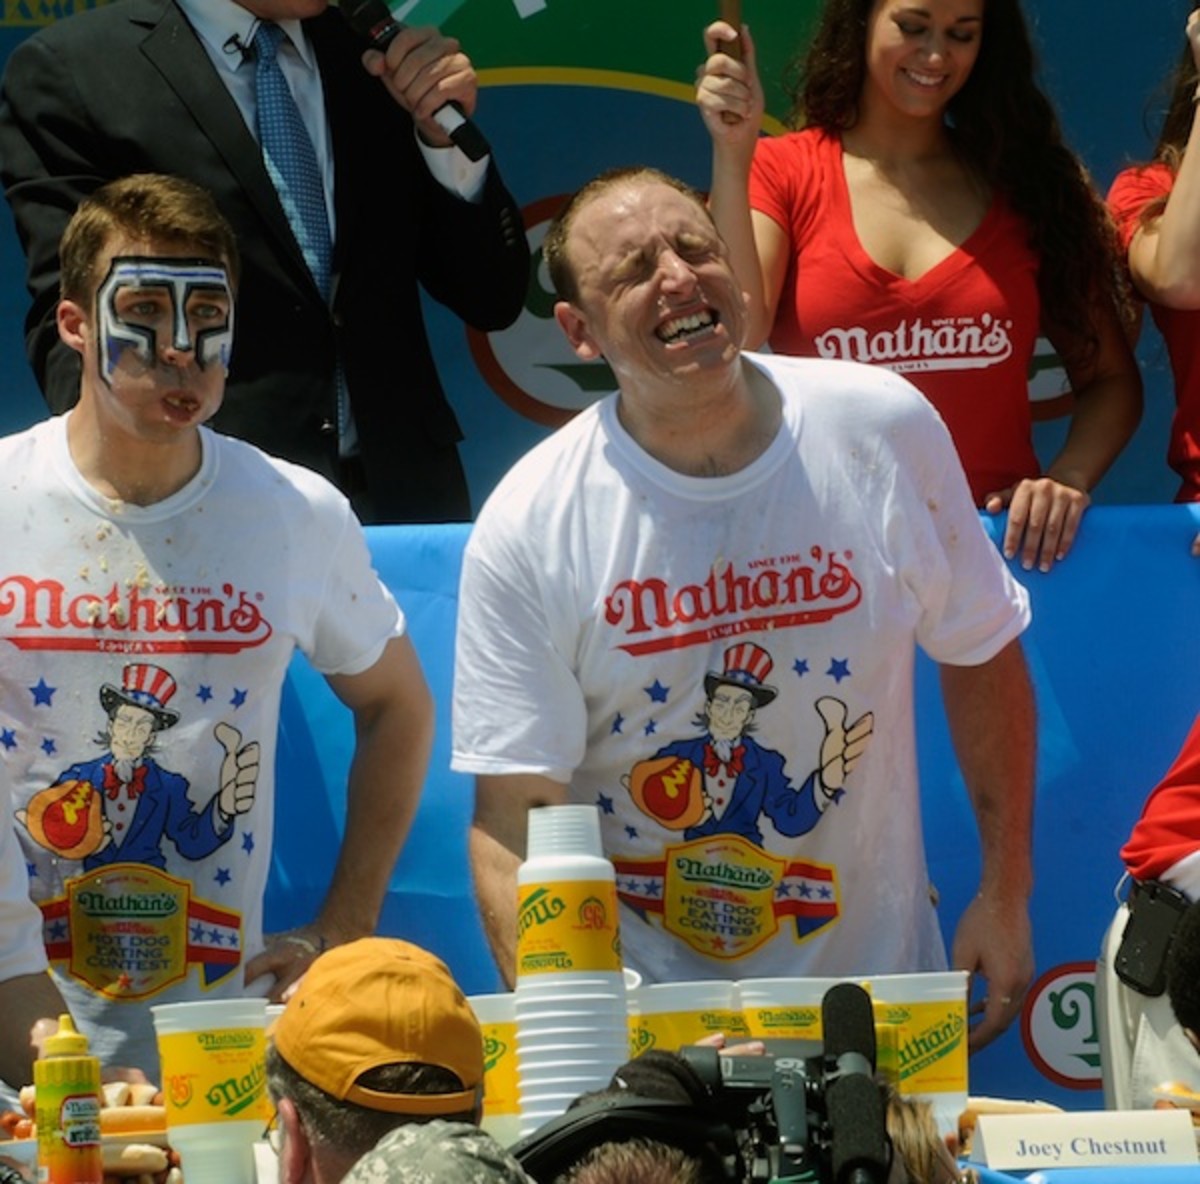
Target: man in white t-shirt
165,577
736,544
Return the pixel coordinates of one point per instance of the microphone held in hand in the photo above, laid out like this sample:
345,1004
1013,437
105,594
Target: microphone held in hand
373,20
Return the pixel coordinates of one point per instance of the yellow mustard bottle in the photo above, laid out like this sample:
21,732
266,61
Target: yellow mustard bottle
67,1080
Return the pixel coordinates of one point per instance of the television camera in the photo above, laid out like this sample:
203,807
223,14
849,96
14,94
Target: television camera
805,1112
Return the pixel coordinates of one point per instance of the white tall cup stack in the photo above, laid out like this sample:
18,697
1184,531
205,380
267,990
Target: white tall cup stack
572,1031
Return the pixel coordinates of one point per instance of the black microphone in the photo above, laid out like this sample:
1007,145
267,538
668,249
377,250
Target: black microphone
848,1029
373,20
858,1131
234,44
858,1128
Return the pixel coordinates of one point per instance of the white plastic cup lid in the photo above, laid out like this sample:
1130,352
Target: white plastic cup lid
699,995
785,992
498,1008
205,1015
564,830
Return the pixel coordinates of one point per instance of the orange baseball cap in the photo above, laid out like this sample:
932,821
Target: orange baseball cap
381,1001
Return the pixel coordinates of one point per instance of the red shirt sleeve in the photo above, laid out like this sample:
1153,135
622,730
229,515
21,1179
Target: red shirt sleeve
1132,192
785,179
1169,828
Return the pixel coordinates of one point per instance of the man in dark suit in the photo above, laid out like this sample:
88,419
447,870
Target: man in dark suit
158,86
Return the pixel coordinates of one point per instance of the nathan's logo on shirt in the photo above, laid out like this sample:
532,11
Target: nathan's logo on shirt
129,931
773,593
958,343
729,874
150,904
131,616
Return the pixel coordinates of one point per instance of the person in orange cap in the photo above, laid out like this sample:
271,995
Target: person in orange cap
378,1036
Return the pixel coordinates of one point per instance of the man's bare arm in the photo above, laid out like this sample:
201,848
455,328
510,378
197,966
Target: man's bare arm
393,721
993,724
497,848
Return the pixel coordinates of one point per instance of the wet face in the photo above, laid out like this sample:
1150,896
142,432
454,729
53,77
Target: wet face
729,711
920,53
657,297
156,342
129,731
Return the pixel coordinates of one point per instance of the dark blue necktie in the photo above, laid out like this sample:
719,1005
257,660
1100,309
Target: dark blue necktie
289,156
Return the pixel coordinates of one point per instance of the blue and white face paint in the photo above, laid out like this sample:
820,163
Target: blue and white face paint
193,302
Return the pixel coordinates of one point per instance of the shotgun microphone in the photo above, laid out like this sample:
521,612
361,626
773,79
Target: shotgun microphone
858,1131
373,20
855,1106
848,1028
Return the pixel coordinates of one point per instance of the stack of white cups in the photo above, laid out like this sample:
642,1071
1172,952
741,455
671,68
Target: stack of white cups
572,1031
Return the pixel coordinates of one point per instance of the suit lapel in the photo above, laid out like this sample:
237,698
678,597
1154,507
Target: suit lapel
176,52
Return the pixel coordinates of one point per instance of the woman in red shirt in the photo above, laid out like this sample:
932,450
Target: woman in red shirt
1157,208
929,218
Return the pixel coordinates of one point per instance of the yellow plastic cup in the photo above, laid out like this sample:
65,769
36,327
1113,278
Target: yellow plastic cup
213,1055
788,1008
921,1037
670,1015
501,1096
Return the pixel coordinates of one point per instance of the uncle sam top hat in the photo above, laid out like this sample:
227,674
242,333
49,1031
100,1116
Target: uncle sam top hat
145,686
746,666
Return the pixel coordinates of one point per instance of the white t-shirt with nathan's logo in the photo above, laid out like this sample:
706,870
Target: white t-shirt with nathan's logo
143,647
686,652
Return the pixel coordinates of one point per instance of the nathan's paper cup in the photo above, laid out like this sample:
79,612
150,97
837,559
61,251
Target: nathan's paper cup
921,1038
214,1085
501,1101
670,1015
788,1008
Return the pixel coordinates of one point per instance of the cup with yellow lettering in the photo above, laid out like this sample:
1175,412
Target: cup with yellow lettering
670,1015
921,1038
787,1008
497,1018
213,1055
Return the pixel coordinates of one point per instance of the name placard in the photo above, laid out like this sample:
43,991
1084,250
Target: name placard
1097,1138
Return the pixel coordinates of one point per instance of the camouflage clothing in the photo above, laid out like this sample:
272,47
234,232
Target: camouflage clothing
437,1152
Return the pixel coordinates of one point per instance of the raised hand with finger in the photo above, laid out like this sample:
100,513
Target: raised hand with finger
239,771
842,745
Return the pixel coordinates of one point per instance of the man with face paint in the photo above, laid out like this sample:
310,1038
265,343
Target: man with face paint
185,284
176,571
335,373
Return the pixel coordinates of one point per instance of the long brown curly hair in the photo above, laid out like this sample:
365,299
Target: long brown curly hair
1177,124
1006,131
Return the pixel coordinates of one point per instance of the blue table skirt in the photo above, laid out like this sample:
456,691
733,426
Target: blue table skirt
1187,1174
